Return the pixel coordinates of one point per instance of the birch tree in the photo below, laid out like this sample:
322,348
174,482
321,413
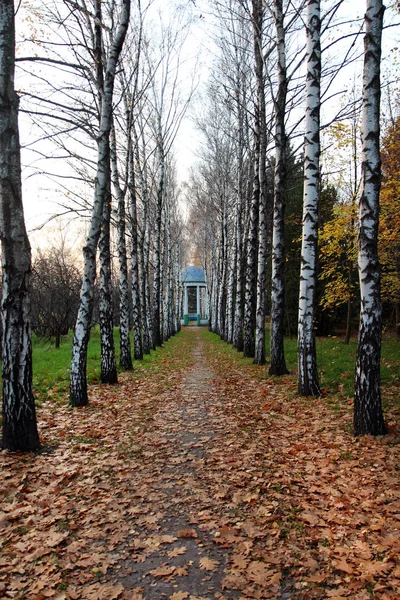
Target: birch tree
368,416
125,356
308,384
78,384
277,356
19,418
260,127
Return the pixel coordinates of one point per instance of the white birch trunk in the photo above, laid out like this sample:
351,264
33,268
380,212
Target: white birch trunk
147,304
368,416
157,331
78,383
214,288
19,417
125,358
231,291
178,290
259,349
222,266
237,336
251,255
308,384
277,354
144,253
108,371
136,312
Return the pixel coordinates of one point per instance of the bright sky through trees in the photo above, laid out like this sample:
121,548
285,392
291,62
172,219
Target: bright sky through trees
42,192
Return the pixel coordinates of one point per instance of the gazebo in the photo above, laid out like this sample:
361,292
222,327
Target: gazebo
195,300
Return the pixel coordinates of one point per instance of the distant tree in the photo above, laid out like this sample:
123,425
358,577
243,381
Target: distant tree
338,260
389,220
19,417
56,281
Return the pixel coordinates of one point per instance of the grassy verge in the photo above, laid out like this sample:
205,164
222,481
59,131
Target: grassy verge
51,365
336,363
334,358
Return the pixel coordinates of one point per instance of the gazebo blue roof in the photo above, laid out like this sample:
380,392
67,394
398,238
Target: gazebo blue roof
193,275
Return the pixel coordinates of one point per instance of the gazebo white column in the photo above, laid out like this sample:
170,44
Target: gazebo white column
198,299
185,300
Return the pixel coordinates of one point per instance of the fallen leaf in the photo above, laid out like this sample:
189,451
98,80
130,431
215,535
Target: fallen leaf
187,533
179,596
177,551
207,564
163,571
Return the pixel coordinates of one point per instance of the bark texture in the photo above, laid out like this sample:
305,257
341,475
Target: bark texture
108,373
368,416
136,313
308,384
277,354
78,383
125,357
19,418
249,318
259,349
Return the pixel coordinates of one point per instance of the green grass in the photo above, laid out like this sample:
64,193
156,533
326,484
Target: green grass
51,365
335,361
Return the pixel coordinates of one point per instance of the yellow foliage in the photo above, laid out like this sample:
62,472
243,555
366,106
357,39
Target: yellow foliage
389,222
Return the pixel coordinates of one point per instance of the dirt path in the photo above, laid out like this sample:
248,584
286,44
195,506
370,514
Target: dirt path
198,477
191,562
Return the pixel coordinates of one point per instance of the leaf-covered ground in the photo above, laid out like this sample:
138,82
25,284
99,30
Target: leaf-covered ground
199,477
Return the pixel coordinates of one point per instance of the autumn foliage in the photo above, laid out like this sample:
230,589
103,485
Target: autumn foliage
389,226
199,477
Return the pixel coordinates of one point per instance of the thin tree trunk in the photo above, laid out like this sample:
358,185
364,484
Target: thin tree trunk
19,417
222,274
259,349
214,289
237,338
308,384
125,358
136,313
368,416
178,291
249,320
348,317
277,354
168,322
144,253
231,291
157,332
108,362
78,383
147,304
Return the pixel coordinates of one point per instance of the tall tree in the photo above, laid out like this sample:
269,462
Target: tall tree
258,23
368,416
277,355
308,384
19,417
125,356
78,384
